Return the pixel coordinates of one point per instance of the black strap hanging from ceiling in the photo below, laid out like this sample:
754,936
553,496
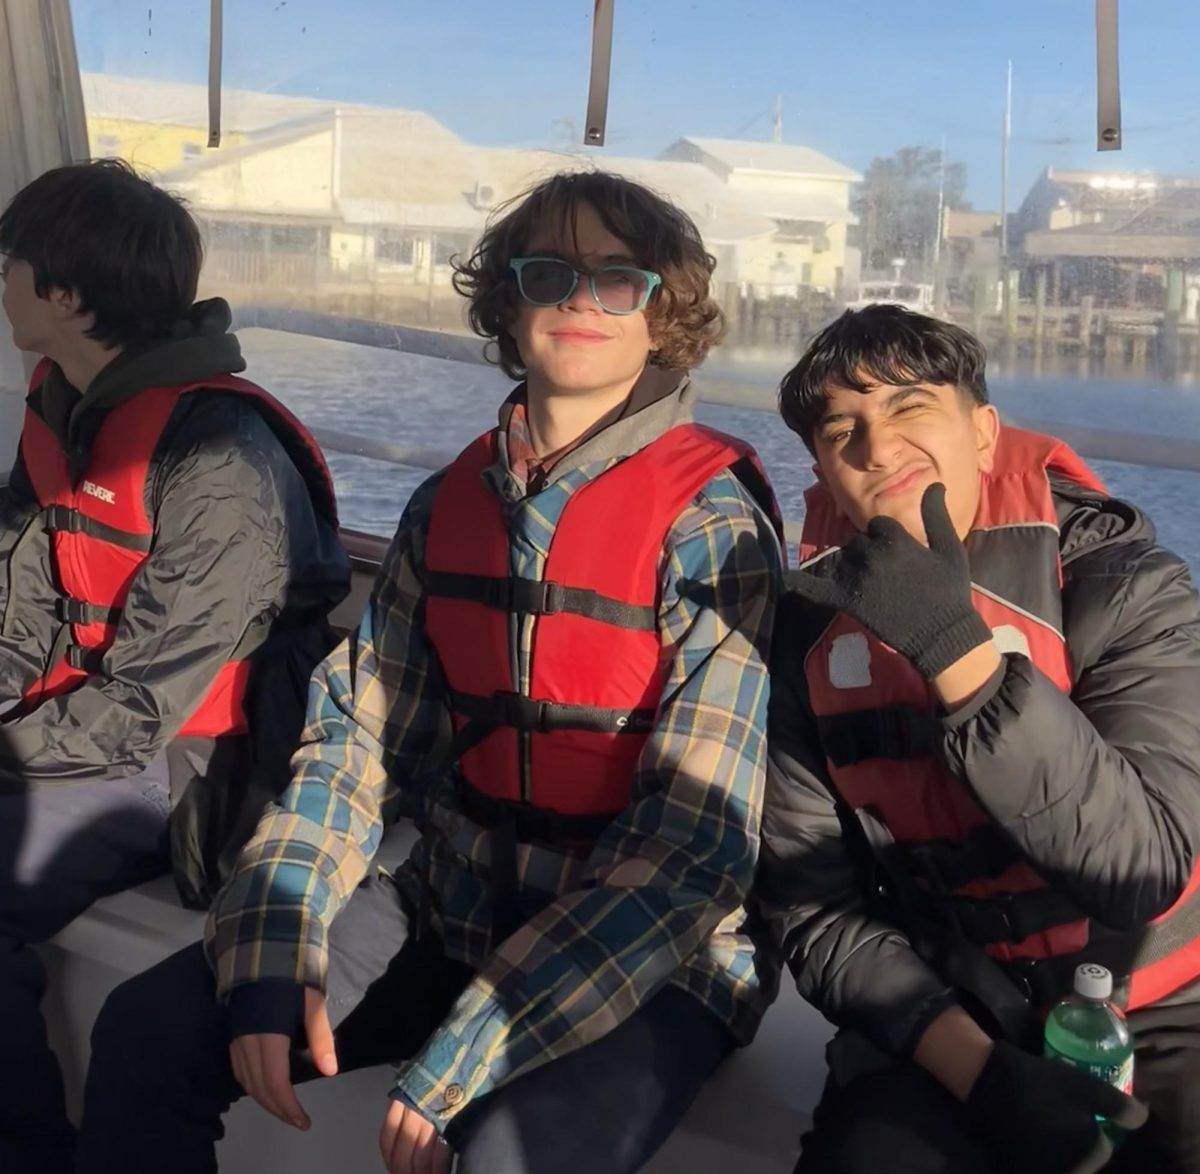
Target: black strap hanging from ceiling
597,107
1108,77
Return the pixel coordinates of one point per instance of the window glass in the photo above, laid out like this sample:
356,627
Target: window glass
831,154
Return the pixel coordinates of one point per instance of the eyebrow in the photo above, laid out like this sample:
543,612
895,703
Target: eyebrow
893,401
607,259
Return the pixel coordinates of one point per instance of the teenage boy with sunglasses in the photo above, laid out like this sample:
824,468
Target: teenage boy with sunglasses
560,676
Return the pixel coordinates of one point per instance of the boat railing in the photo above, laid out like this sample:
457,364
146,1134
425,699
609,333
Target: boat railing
717,383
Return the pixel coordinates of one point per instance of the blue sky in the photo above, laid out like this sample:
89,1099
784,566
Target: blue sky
858,77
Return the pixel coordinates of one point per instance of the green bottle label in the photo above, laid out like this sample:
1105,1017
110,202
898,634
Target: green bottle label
1118,1075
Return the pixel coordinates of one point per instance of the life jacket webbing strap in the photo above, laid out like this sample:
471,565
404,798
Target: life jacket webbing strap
539,597
531,823
960,963
547,717
983,853
1047,979
70,610
87,660
983,921
62,519
1007,917
893,731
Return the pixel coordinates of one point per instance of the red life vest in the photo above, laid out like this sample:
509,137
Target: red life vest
568,741
878,726
102,533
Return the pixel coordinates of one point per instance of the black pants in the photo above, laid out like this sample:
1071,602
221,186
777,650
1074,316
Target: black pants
899,1119
61,848
160,1078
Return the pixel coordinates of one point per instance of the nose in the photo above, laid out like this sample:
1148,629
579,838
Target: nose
878,444
581,299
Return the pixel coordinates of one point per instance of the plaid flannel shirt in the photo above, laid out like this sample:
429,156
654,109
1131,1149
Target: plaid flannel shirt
659,898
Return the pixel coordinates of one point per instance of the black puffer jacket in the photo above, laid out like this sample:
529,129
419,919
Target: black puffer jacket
244,534
1100,789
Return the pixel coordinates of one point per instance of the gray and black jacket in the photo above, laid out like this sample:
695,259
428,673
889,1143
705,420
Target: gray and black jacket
241,537
1098,789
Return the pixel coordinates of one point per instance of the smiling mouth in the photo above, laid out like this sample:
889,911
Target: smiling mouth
901,482
579,335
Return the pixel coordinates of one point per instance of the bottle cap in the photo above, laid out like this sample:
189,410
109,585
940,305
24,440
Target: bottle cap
1093,982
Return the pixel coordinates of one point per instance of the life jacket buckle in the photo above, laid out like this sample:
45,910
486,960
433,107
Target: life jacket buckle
69,610
553,598
62,519
522,713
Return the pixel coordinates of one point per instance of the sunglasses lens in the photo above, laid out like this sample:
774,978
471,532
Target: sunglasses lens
619,290
547,283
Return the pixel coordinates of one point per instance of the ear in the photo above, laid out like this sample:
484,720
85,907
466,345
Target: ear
66,303
986,422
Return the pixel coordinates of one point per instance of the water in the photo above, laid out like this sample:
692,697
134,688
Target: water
413,400
1089,1032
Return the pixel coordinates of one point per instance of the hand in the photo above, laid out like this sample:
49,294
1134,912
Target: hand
410,1144
916,599
262,1063
1040,1115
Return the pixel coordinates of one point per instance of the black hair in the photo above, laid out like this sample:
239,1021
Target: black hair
879,344
129,250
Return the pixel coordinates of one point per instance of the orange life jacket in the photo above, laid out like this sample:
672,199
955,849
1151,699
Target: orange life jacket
569,743
102,533
878,728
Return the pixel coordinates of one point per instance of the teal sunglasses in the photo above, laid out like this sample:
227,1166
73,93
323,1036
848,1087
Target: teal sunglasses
617,289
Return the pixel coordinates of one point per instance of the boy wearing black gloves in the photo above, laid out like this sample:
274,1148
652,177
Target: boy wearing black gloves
985,770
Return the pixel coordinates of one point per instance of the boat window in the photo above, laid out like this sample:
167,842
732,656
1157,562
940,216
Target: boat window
365,143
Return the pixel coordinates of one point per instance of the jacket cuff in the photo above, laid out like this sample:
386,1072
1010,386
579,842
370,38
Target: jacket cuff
932,1009
266,1008
965,713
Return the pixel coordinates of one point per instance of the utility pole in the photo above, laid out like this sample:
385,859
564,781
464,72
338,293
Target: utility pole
777,128
937,238
1004,167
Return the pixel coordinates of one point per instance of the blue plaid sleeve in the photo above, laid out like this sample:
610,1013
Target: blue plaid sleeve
374,719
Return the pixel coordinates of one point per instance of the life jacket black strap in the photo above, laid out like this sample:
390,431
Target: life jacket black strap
75,611
946,865
87,660
547,717
531,824
893,731
540,598
61,519
1045,980
1007,917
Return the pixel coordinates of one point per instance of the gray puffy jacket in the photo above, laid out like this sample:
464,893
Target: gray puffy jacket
242,538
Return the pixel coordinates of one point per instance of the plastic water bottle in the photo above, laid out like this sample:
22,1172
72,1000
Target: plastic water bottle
1089,1030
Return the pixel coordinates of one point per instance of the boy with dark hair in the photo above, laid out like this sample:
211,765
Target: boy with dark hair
985,771
561,676
170,551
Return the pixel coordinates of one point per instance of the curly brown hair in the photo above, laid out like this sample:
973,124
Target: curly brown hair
683,318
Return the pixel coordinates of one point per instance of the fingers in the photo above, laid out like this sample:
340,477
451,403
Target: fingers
319,1034
1125,1112
261,1064
389,1134
1105,1101
1097,1158
939,529
409,1144
824,592
884,529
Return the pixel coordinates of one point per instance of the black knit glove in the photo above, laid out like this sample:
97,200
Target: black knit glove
916,599
1040,1115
